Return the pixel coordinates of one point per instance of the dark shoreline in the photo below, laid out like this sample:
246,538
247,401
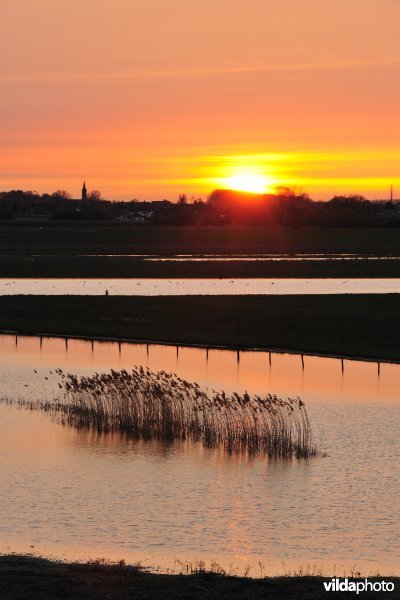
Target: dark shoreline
352,326
23,577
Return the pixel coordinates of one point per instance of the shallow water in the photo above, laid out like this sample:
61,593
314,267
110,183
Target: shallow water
78,494
268,258
191,287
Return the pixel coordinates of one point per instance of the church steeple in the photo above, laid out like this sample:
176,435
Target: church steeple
84,192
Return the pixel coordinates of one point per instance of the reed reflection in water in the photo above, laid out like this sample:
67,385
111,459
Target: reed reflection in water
144,404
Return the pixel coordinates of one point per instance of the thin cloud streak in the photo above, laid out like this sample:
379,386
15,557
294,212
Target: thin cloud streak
76,79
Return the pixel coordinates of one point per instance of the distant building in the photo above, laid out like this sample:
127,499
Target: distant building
84,192
136,217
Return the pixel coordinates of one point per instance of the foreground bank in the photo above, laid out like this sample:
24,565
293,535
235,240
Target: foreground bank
40,579
363,326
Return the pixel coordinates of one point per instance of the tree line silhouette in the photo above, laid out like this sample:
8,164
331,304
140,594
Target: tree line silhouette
287,208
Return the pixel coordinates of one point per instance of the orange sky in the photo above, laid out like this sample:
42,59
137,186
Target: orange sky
151,98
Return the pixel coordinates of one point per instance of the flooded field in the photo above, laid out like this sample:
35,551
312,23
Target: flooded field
78,493
194,287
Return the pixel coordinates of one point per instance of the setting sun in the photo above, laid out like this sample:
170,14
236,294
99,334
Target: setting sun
246,181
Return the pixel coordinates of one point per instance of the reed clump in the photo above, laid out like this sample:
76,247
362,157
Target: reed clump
144,404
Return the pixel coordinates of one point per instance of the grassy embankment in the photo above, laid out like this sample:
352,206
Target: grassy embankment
24,577
349,325
111,238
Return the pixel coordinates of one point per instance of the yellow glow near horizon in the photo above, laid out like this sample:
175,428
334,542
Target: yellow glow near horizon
166,173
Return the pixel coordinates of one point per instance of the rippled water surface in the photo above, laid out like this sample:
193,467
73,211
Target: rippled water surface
191,287
80,494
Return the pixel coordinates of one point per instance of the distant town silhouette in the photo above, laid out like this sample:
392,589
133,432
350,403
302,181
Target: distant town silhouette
287,207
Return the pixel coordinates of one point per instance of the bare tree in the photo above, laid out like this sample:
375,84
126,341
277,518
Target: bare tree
62,195
95,195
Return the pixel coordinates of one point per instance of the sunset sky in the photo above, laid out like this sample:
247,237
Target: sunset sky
151,98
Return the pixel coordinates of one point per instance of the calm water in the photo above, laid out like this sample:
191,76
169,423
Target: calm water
229,258
190,287
78,494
